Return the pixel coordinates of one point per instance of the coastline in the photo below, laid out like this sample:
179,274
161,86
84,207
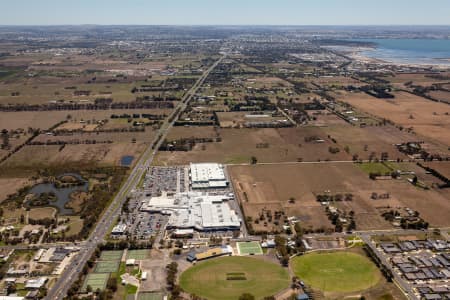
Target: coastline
360,54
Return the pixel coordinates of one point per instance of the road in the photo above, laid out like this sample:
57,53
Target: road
72,271
404,286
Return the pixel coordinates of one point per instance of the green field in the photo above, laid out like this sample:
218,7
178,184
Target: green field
336,272
96,281
111,255
249,248
374,168
262,278
107,267
138,254
150,296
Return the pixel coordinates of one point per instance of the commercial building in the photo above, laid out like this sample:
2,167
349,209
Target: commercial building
207,176
195,210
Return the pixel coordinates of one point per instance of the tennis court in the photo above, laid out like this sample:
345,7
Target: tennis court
106,267
95,281
138,254
150,296
111,255
249,248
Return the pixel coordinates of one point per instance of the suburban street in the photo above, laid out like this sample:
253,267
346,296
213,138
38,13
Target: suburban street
71,272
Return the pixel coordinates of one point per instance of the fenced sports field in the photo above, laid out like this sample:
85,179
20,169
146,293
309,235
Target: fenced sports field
249,248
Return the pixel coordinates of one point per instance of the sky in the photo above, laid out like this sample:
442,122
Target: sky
225,12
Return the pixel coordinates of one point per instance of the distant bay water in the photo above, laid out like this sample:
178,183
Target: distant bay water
410,51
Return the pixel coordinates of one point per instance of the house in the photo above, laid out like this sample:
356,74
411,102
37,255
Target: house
130,262
144,276
32,295
33,284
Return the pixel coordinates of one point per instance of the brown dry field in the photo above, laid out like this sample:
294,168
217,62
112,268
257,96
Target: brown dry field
239,145
9,186
417,79
440,95
117,137
35,157
178,132
424,121
273,185
237,119
337,81
269,80
378,139
442,167
45,119
324,118
42,213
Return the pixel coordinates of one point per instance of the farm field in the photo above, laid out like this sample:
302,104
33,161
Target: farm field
262,188
427,118
35,157
11,185
179,132
343,272
443,167
369,140
267,145
229,277
44,120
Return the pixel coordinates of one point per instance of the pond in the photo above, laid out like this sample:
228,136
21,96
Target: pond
62,194
126,160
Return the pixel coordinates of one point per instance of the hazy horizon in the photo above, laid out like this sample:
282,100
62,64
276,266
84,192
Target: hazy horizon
226,13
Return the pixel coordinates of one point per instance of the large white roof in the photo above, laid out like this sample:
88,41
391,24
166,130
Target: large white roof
204,172
195,210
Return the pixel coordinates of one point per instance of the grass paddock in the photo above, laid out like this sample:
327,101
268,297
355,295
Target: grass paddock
336,271
213,279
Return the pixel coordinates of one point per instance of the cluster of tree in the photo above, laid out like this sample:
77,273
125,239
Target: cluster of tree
437,175
4,135
375,175
171,280
336,218
86,106
70,142
42,199
184,144
381,92
334,198
334,150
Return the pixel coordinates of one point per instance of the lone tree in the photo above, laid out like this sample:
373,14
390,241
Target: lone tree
254,160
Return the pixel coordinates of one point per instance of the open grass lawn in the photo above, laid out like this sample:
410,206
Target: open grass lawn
337,271
374,167
256,276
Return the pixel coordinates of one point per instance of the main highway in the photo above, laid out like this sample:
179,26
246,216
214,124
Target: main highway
109,216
